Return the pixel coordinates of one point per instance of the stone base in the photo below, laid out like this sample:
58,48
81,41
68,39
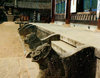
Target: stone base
10,17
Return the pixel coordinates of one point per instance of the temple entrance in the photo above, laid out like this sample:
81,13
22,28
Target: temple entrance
80,6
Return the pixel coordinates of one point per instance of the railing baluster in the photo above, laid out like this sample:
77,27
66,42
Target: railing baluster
84,18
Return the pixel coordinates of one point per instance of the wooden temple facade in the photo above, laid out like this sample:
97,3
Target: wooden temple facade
31,10
85,12
60,10
75,11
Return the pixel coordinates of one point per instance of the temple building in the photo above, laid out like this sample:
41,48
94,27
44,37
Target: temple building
31,10
75,12
84,11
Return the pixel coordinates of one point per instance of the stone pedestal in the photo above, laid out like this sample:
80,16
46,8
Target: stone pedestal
10,17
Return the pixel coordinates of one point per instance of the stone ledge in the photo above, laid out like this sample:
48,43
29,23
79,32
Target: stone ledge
71,41
65,50
74,36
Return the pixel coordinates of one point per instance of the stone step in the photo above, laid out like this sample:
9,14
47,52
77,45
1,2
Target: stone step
71,41
63,49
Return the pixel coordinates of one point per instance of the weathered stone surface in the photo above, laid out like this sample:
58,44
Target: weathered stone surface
27,29
41,52
79,65
33,41
66,63
49,38
77,35
51,65
98,68
63,49
41,33
34,37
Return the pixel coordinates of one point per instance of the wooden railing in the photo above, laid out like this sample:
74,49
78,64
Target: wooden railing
85,18
59,17
34,5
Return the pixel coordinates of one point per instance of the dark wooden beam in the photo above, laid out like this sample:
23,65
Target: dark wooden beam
68,15
53,11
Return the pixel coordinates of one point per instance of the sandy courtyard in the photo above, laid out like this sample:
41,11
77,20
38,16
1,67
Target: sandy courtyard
10,45
13,64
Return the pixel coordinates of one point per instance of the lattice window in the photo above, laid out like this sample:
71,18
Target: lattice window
60,6
90,5
94,5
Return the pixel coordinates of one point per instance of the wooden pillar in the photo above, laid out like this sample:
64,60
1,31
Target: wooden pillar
99,23
53,11
68,15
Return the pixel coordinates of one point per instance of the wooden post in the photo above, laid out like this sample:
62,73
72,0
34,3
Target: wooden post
53,11
99,23
68,11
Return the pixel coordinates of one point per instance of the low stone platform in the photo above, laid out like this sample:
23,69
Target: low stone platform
80,49
73,54
74,36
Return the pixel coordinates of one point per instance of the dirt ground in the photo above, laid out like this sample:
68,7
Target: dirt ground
13,64
10,45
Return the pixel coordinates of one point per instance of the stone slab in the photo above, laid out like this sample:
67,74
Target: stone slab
63,49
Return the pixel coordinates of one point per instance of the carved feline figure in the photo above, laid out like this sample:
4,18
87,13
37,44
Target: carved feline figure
33,41
27,29
42,53
49,62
